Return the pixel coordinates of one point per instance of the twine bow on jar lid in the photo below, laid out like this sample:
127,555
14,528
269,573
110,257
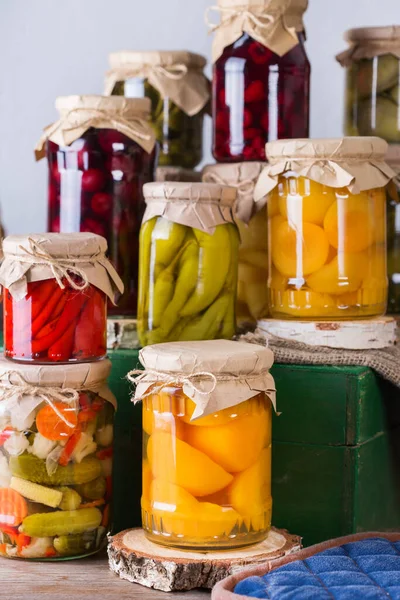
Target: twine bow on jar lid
165,378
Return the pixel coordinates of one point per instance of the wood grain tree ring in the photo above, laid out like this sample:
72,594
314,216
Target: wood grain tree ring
366,334
133,557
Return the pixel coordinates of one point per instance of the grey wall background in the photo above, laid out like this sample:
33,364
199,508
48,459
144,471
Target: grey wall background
56,47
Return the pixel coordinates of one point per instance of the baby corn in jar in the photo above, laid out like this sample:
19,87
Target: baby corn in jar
206,443
252,222
327,227
188,263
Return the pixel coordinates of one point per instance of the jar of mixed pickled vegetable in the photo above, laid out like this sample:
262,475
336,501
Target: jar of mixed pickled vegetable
373,79
179,93
189,247
261,77
327,227
393,231
56,435
55,297
251,219
100,153
206,444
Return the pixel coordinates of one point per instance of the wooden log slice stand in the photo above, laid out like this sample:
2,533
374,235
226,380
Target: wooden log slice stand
133,557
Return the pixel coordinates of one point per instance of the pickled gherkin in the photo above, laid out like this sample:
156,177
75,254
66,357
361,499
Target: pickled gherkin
74,545
188,278
32,468
61,522
92,490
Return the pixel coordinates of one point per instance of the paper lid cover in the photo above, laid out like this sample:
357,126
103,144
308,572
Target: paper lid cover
215,374
199,205
367,42
164,58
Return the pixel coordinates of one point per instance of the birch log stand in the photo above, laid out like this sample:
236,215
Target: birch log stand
138,560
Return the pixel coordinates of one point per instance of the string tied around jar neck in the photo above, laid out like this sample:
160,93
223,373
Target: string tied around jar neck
243,187
50,395
60,267
165,377
258,19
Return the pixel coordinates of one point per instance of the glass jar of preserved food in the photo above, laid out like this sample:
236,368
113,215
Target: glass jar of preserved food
327,227
261,77
393,230
100,153
56,433
251,219
373,79
55,296
179,93
207,443
189,247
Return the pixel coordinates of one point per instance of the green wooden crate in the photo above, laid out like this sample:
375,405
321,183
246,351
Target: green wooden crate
336,450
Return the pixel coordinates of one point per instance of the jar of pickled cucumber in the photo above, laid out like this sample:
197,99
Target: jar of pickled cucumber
327,227
261,76
251,219
393,230
56,436
372,63
206,443
189,246
100,153
179,92
55,297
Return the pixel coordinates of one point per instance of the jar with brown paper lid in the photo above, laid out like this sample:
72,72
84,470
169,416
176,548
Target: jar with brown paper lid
56,432
261,76
100,153
372,64
327,227
393,230
56,287
189,246
251,219
179,92
207,443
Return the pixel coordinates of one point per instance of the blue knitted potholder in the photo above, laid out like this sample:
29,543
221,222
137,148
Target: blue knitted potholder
365,570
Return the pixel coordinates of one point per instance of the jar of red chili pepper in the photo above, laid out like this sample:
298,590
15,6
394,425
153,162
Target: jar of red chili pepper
55,297
56,445
261,77
100,154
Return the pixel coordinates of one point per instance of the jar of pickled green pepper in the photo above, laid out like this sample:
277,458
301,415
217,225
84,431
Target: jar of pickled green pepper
393,230
373,79
56,445
179,93
252,221
188,263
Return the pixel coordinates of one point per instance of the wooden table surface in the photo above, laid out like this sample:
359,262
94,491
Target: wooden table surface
86,579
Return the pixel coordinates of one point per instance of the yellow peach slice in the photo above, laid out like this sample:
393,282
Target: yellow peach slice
306,201
177,462
305,303
250,491
235,446
278,282
258,405
147,477
169,497
155,421
273,204
298,252
344,274
350,223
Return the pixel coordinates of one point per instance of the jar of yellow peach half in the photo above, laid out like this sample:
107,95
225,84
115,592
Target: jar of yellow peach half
206,444
327,228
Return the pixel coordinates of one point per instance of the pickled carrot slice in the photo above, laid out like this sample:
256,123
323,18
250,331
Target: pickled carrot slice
51,426
13,507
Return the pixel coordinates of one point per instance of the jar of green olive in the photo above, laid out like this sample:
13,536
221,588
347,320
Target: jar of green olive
373,77
179,93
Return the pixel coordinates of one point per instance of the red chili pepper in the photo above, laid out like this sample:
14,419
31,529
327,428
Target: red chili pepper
97,404
69,448
50,552
106,516
61,350
47,312
90,336
23,541
254,92
5,435
41,295
106,453
47,329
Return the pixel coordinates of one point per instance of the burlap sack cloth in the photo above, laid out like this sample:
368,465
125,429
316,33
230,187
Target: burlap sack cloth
367,42
242,176
176,75
199,205
37,257
357,163
273,23
23,387
385,362
215,374
129,116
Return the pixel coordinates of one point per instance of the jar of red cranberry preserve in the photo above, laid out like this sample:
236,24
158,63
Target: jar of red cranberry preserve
100,154
261,77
